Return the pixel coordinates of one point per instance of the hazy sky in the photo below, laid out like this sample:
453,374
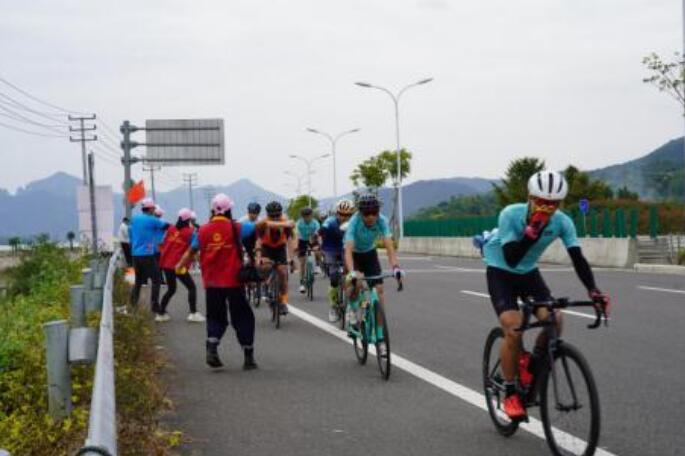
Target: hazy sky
559,79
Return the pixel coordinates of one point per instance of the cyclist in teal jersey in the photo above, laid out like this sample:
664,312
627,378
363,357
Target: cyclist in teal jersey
511,254
307,227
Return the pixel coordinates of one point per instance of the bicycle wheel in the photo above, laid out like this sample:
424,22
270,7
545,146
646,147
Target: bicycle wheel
341,307
569,404
361,345
493,384
383,357
309,280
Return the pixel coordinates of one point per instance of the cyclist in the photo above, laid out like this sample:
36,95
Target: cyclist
361,256
248,232
332,245
176,242
307,227
218,242
144,232
511,254
274,235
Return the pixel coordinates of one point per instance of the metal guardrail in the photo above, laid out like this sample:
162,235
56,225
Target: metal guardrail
102,426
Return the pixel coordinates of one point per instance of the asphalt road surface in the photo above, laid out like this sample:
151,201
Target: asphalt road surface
311,397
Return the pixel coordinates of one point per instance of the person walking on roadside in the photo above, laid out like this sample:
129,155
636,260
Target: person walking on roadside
144,234
125,241
176,243
218,243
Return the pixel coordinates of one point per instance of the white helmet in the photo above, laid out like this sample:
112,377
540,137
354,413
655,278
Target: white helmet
221,203
549,185
345,207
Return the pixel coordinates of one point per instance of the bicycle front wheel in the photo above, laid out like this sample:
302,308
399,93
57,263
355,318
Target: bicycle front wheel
341,307
493,384
569,404
382,344
361,344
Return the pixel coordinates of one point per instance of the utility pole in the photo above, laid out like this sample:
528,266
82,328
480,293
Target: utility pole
126,130
93,213
191,180
83,139
209,194
151,169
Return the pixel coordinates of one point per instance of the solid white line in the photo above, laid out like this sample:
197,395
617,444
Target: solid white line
667,290
462,392
570,312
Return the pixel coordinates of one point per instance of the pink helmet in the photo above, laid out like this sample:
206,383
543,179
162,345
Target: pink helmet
147,203
221,203
185,214
159,212
193,215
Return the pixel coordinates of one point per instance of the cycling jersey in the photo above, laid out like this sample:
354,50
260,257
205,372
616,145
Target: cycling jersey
365,237
145,231
511,224
271,236
305,230
332,235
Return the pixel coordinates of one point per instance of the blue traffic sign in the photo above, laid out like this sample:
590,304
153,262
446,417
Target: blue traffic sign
584,206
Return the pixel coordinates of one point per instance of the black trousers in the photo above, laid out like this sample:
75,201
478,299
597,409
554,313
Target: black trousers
146,268
241,314
187,281
126,248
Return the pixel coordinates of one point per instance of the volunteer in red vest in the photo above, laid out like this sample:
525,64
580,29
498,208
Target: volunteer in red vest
176,243
218,243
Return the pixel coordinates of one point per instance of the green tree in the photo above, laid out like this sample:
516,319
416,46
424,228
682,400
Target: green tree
668,77
624,193
370,174
14,242
581,185
70,237
514,187
296,205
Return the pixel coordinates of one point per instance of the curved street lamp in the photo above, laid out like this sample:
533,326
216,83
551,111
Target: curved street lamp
333,140
309,163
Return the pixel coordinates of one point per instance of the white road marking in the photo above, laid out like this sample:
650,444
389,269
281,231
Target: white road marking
534,426
570,312
482,270
667,290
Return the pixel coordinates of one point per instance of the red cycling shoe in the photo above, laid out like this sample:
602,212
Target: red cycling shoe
513,407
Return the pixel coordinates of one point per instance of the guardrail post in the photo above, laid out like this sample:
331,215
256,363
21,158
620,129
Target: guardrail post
59,376
87,278
77,311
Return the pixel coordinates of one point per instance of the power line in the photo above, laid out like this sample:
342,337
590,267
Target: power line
28,132
20,118
17,105
35,98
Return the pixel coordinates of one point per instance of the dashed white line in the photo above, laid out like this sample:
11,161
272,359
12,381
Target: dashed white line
666,290
458,390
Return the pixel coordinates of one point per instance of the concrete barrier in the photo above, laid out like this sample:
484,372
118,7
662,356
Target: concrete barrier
660,268
609,252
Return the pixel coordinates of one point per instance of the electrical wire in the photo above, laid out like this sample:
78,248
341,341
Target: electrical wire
35,98
7,100
28,132
20,118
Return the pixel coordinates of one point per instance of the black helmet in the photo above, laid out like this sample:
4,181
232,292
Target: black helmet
253,208
368,202
274,209
306,211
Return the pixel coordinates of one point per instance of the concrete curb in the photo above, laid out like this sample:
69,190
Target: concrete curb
660,268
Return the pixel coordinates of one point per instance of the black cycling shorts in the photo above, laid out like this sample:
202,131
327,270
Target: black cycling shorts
506,287
279,255
368,264
302,245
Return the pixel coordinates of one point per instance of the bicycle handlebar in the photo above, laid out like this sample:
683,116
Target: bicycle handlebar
384,275
529,308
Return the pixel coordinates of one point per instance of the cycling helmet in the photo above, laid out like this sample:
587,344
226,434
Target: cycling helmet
345,207
159,212
368,202
306,211
274,209
254,208
185,214
549,185
221,203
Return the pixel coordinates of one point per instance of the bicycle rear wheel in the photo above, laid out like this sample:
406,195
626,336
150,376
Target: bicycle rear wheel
276,300
341,307
493,384
309,280
361,344
383,356
569,404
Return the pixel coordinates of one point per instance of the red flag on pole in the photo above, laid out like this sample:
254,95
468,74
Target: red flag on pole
136,192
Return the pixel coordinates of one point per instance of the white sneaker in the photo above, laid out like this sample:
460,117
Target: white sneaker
302,288
332,315
162,317
196,317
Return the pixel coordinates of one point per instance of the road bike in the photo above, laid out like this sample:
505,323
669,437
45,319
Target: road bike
563,385
310,262
368,330
273,292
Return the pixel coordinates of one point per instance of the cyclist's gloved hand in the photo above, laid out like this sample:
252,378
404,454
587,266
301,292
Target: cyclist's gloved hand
537,222
397,272
601,298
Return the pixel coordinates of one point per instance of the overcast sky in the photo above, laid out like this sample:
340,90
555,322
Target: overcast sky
558,79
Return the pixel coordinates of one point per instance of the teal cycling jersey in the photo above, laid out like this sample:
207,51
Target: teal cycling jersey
512,222
364,237
305,230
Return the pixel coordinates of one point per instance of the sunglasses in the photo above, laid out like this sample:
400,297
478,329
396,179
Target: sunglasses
368,213
543,205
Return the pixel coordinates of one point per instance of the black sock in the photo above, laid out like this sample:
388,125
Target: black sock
509,388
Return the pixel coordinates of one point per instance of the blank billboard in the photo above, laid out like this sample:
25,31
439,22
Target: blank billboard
172,142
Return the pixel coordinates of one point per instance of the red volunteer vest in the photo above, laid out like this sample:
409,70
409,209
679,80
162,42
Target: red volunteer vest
219,259
175,244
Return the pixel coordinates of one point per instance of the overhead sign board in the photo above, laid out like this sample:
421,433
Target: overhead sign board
171,142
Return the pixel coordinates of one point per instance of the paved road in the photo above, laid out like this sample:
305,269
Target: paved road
311,397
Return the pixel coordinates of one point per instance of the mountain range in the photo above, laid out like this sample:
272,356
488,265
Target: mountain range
49,205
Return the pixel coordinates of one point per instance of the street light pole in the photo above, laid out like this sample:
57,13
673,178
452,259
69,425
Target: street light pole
309,164
333,140
298,178
398,180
